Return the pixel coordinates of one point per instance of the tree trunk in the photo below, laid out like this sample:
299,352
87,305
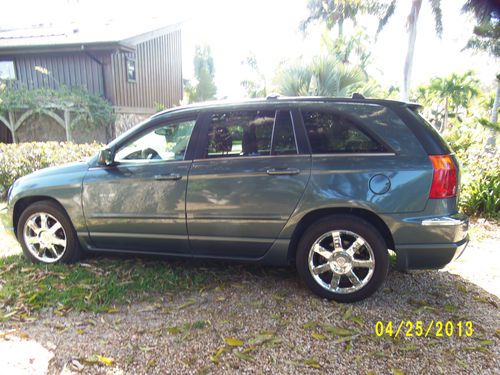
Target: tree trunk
445,121
490,145
496,103
412,35
341,27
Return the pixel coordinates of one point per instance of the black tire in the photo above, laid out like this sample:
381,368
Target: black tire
71,252
347,223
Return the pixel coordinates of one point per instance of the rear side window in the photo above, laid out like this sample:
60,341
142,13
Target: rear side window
331,133
250,133
240,133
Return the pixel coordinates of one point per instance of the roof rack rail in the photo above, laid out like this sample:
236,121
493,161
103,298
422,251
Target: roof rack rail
273,96
357,95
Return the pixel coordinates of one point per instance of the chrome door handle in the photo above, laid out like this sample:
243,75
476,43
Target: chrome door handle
283,172
168,177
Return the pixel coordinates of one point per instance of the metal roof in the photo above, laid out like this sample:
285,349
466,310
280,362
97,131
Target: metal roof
98,36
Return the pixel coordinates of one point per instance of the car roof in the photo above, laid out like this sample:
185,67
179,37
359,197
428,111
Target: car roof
222,104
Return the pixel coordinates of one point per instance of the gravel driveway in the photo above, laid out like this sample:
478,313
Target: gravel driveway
263,320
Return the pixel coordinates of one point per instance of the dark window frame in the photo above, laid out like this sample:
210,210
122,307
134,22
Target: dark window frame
129,59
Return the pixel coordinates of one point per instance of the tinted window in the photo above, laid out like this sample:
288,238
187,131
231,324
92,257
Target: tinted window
240,133
168,142
284,137
332,133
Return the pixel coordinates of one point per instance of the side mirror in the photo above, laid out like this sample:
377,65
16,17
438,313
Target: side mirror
106,157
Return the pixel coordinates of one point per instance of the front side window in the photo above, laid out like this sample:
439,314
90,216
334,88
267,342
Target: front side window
240,133
330,132
165,143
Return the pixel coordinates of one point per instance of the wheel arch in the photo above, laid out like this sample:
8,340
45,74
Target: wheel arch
318,214
25,202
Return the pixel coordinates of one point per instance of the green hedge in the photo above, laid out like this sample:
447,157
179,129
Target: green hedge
17,160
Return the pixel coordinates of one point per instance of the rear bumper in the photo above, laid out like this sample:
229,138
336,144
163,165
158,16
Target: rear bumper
452,239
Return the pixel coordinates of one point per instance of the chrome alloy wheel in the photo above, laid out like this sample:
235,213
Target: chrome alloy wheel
44,237
341,261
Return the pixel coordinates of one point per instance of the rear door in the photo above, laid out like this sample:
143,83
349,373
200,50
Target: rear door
245,182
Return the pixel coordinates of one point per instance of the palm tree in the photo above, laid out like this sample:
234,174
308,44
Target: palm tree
336,12
486,36
454,92
411,25
323,77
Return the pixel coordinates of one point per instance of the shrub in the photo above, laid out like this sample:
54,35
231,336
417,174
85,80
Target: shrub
17,160
481,184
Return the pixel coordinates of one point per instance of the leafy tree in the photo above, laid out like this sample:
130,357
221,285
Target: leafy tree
448,96
203,88
325,76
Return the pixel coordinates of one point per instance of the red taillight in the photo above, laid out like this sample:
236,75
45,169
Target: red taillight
444,180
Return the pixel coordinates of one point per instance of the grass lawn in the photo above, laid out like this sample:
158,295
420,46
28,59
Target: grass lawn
95,284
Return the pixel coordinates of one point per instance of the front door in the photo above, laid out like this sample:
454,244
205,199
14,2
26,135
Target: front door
245,184
139,203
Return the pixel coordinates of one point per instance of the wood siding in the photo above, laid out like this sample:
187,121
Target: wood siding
71,69
158,73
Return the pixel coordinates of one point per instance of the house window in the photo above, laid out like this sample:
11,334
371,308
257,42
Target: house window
7,70
131,72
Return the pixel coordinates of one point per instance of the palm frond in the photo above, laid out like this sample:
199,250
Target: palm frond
438,16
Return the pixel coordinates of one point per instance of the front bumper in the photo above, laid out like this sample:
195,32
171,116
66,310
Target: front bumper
453,239
6,222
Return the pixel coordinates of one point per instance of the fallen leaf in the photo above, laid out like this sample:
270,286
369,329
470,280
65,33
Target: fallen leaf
231,341
396,371
261,339
243,356
358,320
105,360
347,313
318,336
309,324
174,330
311,362
215,357
485,342
188,303
338,331
408,347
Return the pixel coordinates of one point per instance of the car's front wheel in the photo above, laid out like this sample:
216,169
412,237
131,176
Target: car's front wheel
47,235
343,258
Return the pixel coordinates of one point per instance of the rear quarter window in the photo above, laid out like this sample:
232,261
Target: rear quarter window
331,132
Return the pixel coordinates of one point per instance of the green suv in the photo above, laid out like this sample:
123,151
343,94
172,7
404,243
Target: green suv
331,184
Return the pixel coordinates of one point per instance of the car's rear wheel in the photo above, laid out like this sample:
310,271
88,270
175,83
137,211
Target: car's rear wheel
343,258
47,235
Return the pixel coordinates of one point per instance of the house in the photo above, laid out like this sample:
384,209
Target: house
136,70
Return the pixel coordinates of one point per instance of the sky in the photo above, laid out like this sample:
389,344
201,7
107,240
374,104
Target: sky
269,29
